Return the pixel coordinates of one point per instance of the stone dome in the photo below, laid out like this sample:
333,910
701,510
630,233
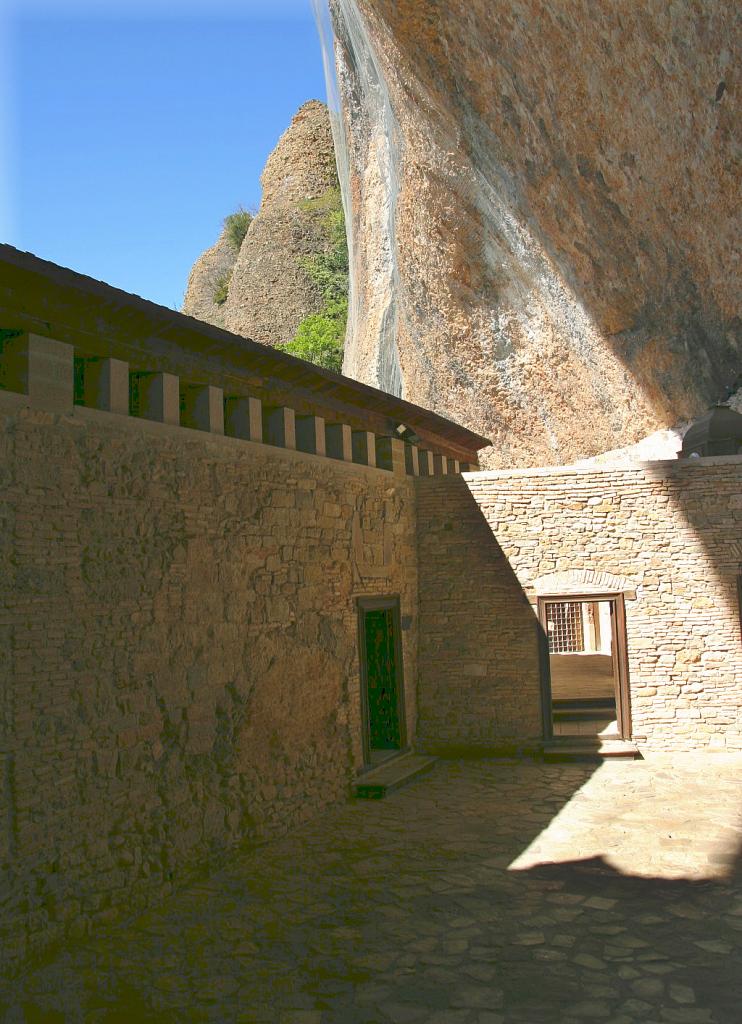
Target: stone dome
718,432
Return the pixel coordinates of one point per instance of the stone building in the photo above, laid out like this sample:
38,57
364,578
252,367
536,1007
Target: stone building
655,549
234,582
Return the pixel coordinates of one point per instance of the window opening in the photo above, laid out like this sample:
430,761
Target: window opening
564,626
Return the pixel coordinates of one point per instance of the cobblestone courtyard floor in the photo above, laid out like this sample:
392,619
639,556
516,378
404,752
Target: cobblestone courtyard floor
487,892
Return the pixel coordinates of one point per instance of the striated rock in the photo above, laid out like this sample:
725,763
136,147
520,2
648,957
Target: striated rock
209,271
658,446
545,221
270,292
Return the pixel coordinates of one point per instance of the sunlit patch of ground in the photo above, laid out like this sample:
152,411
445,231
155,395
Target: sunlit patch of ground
670,817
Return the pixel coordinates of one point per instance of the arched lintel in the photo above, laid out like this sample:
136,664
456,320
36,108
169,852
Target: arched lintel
584,581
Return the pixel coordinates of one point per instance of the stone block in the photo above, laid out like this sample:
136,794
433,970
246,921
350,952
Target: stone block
363,444
425,462
338,443
475,669
243,417
105,385
310,435
390,455
279,426
156,396
41,368
203,408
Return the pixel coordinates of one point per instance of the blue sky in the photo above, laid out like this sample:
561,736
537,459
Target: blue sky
128,134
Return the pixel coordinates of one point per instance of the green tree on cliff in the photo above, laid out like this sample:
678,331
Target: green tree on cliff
320,336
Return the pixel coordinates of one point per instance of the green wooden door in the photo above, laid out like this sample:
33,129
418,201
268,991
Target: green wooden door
381,678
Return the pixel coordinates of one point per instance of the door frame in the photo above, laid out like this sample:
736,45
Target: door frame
619,648
372,604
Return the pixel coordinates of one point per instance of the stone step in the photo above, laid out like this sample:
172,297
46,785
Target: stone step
584,714
398,771
594,704
588,748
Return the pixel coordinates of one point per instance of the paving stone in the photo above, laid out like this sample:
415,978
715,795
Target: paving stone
590,1008
616,953
549,954
636,1007
483,996
715,946
449,1016
586,960
658,968
687,910
647,988
687,1016
567,898
599,903
481,972
403,1013
630,941
530,939
681,993
456,945
374,992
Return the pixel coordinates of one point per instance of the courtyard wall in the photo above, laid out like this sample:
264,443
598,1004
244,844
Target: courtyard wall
479,687
668,535
178,646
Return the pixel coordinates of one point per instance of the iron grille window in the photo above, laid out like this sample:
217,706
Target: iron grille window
564,622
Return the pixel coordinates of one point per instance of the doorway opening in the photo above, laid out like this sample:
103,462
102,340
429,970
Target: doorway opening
586,687
382,682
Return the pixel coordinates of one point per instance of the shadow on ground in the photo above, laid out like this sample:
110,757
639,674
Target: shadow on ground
489,892
671,927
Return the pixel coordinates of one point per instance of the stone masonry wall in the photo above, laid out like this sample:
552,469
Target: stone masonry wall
668,532
478,652
178,645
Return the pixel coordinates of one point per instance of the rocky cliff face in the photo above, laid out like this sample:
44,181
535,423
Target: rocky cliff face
211,272
544,204
268,290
